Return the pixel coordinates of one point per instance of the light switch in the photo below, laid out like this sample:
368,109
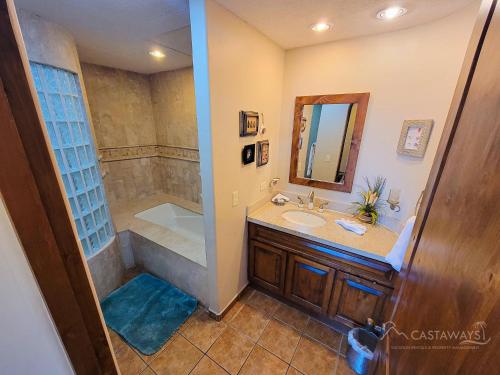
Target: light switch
236,198
264,185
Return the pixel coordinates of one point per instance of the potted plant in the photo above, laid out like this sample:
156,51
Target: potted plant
368,209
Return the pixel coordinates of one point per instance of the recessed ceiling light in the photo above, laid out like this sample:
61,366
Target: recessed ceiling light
157,53
321,26
391,13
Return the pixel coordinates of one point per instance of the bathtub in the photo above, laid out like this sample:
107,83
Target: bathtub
177,219
183,230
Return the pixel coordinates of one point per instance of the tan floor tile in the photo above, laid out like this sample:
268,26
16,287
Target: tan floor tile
280,339
231,350
235,309
199,310
203,331
207,367
297,319
180,357
148,371
293,371
312,358
128,360
247,293
343,346
261,362
324,334
250,321
263,302
149,358
343,368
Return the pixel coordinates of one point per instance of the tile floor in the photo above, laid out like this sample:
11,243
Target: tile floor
258,336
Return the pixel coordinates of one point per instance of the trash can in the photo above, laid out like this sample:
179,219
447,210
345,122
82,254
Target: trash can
362,344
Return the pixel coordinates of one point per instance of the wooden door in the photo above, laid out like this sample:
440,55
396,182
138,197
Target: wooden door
267,266
33,194
355,299
309,283
453,282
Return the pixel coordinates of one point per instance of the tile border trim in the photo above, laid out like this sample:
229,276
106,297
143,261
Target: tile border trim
107,154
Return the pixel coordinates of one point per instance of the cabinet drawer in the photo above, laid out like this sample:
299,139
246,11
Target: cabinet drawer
309,283
355,299
267,266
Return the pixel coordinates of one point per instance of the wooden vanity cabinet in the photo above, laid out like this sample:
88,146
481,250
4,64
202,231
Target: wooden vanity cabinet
266,266
355,299
333,284
309,284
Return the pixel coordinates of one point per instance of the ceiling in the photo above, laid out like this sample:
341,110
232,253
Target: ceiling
120,33
287,22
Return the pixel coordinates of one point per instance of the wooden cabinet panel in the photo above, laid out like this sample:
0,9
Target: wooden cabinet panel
355,299
332,283
309,283
267,266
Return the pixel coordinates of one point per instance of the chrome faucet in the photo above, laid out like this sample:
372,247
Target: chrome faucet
310,197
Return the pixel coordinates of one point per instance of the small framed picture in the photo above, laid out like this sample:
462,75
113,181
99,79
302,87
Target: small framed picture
262,153
414,137
248,154
249,123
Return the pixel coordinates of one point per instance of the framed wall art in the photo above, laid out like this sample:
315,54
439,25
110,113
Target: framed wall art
262,153
249,123
414,137
248,154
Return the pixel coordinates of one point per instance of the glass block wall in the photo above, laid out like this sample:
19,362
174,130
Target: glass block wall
64,113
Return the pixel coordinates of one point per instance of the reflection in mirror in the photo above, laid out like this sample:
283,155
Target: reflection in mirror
325,141
327,132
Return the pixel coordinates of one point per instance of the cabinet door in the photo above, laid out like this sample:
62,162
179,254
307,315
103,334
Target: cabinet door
354,300
309,283
267,266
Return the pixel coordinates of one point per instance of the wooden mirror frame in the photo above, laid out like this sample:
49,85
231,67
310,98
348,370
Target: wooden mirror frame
361,99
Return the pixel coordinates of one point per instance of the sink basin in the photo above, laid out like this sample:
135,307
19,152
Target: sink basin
306,219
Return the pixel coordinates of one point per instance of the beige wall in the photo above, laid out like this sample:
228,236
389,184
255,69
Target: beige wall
120,105
131,110
174,108
180,178
411,74
245,72
48,43
131,178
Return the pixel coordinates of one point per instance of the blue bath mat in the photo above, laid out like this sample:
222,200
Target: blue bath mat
146,311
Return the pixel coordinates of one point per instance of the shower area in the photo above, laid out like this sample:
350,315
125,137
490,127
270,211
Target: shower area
125,140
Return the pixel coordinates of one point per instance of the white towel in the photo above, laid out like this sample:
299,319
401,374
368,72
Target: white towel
280,196
397,254
352,226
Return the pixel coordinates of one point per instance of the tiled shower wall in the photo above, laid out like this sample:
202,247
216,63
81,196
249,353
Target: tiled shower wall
146,131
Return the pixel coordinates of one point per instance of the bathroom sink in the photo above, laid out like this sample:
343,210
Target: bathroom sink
306,219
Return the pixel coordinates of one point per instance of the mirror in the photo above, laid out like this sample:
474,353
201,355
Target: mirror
326,138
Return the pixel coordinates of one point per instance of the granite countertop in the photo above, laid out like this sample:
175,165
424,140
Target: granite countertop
375,243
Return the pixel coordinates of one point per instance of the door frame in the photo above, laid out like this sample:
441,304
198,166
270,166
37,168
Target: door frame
33,194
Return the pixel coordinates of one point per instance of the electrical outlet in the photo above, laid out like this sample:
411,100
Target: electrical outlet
264,185
236,198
